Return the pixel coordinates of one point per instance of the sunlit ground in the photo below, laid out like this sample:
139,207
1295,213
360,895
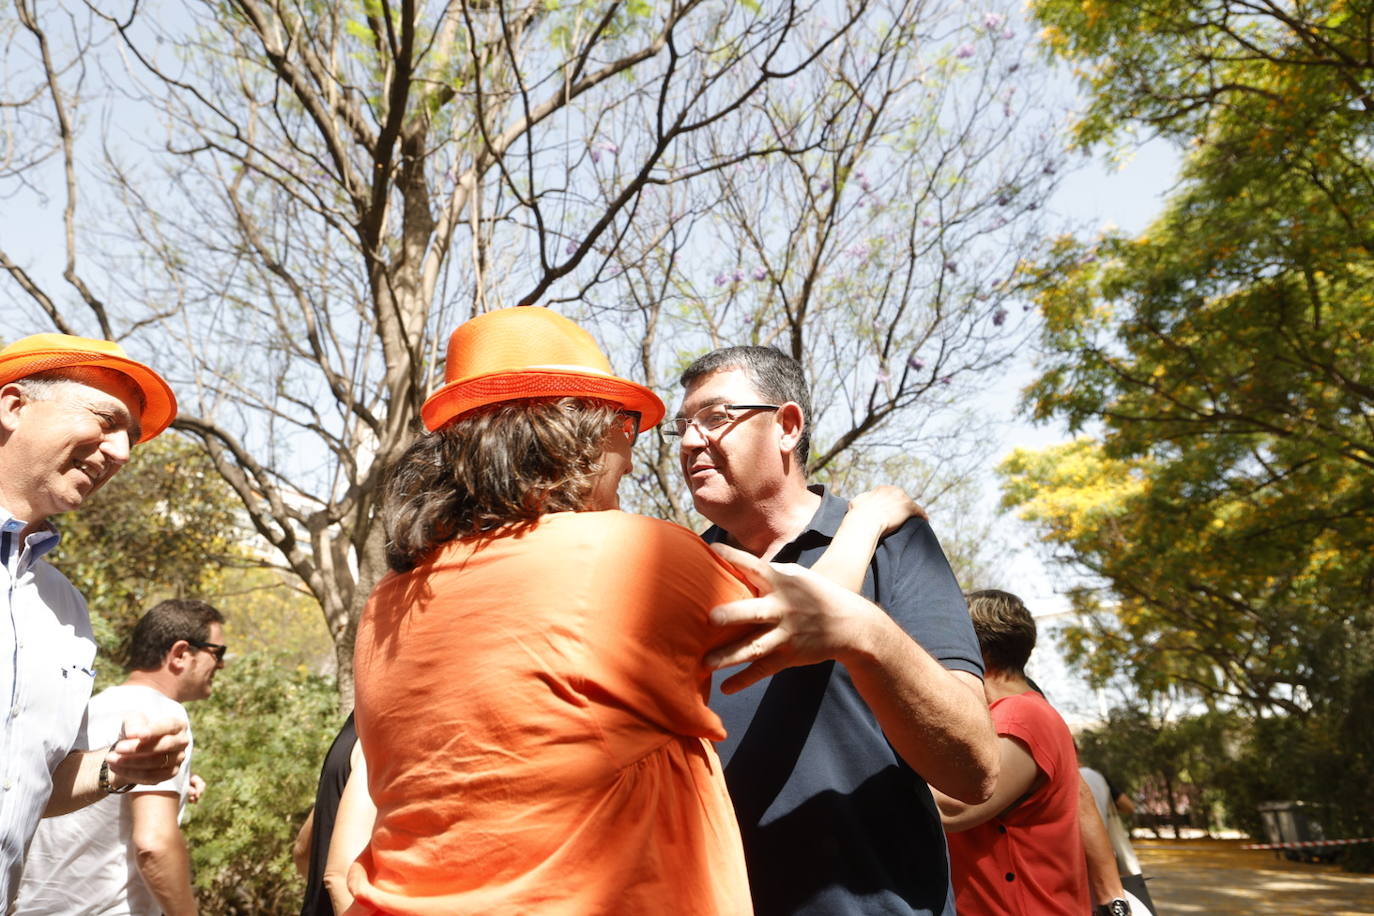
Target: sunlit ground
1217,876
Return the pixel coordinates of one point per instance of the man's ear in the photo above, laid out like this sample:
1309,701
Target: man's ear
791,422
178,657
11,399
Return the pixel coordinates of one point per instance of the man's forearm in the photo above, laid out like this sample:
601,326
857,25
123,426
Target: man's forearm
166,869
936,719
75,783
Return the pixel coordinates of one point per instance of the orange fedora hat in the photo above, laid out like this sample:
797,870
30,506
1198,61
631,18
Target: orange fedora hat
529,352
45,352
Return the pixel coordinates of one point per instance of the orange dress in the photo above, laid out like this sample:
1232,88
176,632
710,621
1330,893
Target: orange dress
534,718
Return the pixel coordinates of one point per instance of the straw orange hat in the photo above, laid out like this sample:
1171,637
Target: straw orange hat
529,352
45,352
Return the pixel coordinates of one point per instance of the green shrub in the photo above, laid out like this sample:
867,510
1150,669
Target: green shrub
259,743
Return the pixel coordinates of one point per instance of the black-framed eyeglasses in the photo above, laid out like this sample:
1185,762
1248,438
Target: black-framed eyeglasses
711,417
216,649
632,427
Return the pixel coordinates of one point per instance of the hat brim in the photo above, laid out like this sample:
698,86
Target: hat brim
159,404
458,397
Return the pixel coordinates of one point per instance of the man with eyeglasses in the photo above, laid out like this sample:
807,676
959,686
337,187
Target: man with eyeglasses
848,708
72,409
126,853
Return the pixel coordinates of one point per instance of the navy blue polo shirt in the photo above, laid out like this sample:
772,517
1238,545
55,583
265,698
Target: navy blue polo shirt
833,820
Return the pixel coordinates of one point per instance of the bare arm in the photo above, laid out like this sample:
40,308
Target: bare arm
872,516
1104,882
300,849
1017,777
936,719
147,753
160,851
352,831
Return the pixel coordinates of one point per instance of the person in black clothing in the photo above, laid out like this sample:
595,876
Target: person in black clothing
312,843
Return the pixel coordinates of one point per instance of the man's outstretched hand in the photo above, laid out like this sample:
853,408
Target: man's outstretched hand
148,751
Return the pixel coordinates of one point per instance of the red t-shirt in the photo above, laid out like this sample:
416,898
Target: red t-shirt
533,713
1028,860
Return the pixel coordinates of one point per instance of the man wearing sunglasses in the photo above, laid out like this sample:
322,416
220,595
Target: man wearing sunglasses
848,708
125,853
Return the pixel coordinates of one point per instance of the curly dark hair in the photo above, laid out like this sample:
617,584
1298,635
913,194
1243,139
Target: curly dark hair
493,471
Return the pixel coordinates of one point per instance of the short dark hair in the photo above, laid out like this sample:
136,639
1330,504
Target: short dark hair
497,468
166,623
1005,629
778,377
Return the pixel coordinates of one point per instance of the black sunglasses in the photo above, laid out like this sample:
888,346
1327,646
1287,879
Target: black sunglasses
214,648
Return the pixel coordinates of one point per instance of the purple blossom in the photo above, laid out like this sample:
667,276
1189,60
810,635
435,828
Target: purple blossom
952,267
610,148
946,379
883,376
915,362
760,273
1013,68
1006,109
1008,33
1003,199
993,20
928,222
722,279
825,186
571,247
863,183
596,154
999,222
859,252
965,50
999,317
737,276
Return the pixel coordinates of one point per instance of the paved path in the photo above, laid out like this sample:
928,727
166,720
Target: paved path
1217,876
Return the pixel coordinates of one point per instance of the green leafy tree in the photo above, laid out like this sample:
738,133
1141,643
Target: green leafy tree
165,526
1222,358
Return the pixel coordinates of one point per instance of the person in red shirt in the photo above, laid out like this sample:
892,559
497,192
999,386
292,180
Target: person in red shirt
1020,852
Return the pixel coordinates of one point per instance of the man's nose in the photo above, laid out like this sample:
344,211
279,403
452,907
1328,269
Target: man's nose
118,446
697,440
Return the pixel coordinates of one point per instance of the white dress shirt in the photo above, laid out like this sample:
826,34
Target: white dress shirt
46,674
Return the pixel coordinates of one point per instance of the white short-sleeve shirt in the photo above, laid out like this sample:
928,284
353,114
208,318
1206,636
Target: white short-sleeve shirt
96,842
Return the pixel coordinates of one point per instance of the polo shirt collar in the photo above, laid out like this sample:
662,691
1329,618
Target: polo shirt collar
820,530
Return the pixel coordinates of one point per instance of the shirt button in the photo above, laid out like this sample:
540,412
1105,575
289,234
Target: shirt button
1010,876
8,784
1001,828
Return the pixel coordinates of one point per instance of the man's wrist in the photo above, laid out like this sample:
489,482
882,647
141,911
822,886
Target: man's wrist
1117,907
108,787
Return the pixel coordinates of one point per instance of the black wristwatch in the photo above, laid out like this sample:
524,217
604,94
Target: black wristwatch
1117,907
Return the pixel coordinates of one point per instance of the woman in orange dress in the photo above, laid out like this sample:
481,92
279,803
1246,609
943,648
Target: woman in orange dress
531,698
